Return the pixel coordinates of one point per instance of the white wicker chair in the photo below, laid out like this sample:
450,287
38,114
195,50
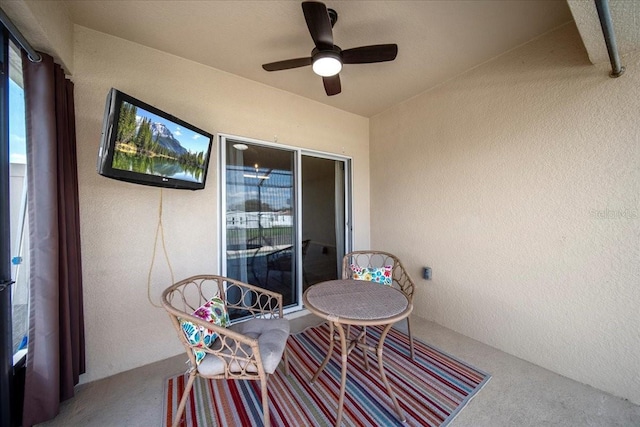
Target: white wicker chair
375,259
250,350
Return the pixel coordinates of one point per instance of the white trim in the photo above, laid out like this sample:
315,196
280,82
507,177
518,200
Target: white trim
297,166
222,192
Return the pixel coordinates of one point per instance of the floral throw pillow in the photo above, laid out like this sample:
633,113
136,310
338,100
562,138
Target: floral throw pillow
213,311
380,275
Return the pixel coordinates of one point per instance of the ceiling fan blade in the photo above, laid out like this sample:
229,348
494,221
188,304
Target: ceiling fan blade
332,85
287,64
319,24
369,54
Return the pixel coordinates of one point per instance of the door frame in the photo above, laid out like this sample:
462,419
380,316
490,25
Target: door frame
298,153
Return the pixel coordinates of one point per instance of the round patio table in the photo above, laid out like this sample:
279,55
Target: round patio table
359,303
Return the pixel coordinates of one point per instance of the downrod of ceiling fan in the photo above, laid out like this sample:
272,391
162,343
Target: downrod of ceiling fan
333,17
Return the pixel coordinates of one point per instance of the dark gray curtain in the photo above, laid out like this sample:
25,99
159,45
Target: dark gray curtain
56,355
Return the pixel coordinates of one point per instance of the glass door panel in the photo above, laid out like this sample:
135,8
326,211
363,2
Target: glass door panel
260,223
323,218
13,231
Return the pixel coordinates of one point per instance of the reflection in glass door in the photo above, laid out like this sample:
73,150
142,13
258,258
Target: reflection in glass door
260,224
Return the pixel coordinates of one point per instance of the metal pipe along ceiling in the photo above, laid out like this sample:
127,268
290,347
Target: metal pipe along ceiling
604,13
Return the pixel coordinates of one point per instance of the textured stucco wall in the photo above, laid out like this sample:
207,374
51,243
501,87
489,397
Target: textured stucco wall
118,219
518,182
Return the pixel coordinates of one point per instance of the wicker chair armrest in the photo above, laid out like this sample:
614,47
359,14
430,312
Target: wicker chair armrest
239,353
219,330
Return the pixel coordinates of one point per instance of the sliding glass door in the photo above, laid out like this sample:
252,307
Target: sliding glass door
284,216
260,217
14,253
324,216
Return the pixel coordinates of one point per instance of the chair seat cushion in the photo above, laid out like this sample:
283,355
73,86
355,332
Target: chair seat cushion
272,337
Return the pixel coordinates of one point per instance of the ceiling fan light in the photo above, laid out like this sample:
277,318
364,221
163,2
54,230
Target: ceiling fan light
327,65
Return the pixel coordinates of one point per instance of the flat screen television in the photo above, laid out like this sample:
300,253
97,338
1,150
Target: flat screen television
144,145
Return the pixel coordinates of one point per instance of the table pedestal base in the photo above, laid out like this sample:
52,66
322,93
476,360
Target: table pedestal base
346,349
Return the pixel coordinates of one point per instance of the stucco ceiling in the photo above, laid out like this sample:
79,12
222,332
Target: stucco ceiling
437,39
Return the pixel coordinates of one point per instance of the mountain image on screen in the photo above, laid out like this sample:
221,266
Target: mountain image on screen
165,138
147,146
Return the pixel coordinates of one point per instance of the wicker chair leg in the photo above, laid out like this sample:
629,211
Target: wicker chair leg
266,419
285,358
183,400
413,356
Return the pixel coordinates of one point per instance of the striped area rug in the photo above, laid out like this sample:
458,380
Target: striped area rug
432,390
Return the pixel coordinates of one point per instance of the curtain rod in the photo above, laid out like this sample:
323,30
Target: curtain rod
19,38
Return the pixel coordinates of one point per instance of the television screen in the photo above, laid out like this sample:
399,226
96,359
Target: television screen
144,145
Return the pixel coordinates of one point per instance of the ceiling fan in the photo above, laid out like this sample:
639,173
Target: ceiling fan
326,58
